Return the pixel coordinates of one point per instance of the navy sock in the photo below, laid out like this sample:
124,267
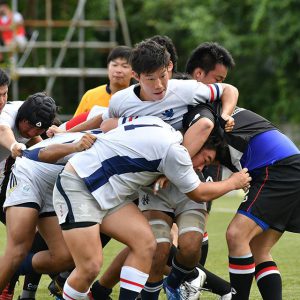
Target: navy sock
151,290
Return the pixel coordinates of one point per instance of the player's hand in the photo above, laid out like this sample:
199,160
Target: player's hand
161,183
85,142
52,130
241,179
229,122
16,149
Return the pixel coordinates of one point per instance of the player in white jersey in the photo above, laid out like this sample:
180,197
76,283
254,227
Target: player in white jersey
98,185
29,205
22,123
168,99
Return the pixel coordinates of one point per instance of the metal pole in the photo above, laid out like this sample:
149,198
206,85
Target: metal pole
68,38
81,57
123,21
14,59
112,17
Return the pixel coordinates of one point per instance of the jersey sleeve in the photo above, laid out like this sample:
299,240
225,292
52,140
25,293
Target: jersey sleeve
179,170
207,93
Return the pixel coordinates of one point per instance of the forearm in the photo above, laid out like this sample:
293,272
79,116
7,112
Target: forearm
53,153
93,123
33,141
229,99
196,135
209,191
7,137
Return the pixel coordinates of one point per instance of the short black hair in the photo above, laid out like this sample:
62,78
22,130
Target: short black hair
207,55
165,41
39,110
4,78
148,56
119,52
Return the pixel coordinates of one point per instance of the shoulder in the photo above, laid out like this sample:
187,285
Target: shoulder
99,89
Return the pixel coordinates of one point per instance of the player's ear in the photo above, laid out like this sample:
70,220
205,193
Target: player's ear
198,74
135,76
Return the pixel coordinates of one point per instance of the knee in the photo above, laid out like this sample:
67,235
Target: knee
17,253
233,236
91,268
160,257
189,250
150,246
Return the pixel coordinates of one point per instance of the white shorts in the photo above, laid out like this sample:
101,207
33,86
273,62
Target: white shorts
73,202
167,200
25,192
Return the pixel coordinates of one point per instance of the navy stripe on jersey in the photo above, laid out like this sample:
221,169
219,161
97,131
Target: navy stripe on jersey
118,165
133,126
218,90
70,218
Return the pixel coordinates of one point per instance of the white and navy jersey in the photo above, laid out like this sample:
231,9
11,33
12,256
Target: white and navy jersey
255,142
179,95
28,167
131,156
8,118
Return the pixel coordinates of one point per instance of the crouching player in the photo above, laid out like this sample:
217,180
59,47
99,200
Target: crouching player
96,189
29,205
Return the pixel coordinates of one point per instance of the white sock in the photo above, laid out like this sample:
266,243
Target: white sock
132,279
71,294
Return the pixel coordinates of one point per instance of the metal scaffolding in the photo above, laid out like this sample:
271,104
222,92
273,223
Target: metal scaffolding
53,66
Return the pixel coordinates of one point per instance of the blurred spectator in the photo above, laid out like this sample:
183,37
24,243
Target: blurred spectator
11,26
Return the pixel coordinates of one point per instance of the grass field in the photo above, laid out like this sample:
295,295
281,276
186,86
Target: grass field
285,254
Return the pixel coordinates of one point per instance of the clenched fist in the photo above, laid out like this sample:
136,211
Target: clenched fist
85,142
241,179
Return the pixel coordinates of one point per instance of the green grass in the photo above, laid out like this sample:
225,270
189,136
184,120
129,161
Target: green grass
285,254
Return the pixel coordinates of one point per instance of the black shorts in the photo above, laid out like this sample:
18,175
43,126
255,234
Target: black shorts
273,200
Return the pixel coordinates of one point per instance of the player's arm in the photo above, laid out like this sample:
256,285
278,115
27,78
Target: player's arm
229,100
8,141
52,153
34,141
209,191
93,123
178,167
198,130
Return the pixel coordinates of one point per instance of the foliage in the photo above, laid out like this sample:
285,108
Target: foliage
262,35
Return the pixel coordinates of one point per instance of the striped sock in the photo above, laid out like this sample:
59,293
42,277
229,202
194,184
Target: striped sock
151,290
71,294
241,271
132,281
268,280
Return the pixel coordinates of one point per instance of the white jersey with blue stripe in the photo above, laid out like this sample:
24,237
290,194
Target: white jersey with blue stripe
28,167
179,94
131,156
